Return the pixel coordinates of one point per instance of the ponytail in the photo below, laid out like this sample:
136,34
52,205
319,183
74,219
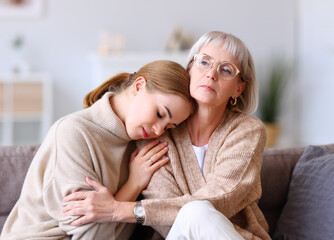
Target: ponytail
161,75
115,84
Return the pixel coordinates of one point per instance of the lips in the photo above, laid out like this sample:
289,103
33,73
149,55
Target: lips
206,87
145,134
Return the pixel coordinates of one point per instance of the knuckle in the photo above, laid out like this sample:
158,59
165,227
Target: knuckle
90,209
93,216
90,202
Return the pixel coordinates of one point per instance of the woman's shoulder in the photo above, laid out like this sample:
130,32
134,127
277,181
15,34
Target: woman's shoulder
242,119
72,118
70,124
240,127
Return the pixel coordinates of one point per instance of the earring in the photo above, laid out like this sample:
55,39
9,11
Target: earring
235,101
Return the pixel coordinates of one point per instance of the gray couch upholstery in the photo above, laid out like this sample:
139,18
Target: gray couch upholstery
14,163
276,172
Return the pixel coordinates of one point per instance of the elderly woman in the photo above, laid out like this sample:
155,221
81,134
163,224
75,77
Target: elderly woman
211,185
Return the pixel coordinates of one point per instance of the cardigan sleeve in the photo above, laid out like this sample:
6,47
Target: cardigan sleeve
163,185
164,176
72,164
232,184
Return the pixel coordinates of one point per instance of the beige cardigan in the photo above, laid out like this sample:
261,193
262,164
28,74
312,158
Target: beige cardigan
92,142
230,179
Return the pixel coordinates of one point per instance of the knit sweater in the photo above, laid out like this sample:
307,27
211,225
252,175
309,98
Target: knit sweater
230,178
92,142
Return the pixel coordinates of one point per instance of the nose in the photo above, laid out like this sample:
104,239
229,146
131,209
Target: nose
159,129
212,72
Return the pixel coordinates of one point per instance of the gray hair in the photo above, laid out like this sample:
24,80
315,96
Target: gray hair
248,100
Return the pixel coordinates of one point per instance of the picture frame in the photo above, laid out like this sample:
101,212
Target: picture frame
20,9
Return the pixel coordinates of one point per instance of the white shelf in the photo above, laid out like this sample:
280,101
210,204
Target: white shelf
25,108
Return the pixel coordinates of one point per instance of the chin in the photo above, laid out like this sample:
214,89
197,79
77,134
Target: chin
206,101
132,136
136,137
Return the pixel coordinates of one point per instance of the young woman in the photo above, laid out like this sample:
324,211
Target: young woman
95,143
211,186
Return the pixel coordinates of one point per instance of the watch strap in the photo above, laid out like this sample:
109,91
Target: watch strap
139,219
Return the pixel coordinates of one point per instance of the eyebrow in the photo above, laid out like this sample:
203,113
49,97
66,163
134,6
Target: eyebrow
170,115
168,111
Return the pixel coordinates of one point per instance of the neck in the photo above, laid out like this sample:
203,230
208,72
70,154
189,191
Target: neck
117,103
203,122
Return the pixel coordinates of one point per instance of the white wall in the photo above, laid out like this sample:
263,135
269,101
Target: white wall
316,71
62,39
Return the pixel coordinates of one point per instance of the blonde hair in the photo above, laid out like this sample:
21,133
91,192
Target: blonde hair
162,75
248,100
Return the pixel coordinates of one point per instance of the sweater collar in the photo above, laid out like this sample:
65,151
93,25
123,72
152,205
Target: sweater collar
104,116
192,166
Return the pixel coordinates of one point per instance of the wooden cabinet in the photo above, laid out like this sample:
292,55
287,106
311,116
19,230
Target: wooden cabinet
25,108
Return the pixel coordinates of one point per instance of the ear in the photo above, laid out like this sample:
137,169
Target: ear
139,85
241,88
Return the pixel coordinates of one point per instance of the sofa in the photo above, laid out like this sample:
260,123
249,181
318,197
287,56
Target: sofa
276,173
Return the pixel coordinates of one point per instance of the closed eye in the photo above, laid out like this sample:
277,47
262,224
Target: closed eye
159,115
174,125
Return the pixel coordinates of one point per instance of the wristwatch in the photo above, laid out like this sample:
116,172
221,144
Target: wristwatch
139,213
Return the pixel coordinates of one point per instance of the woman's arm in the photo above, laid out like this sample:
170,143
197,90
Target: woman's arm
142,165
72,162
98,206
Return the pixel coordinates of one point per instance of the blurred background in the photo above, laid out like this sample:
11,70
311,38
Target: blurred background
53,52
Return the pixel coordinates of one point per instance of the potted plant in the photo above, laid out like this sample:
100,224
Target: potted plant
270,99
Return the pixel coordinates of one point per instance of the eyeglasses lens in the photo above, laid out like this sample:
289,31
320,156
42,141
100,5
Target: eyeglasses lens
226,71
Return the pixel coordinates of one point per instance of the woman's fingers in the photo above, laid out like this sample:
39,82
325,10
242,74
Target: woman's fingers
152,152
148,147
133,155
159,164
69,208
81,221
157,152
76,196
96,185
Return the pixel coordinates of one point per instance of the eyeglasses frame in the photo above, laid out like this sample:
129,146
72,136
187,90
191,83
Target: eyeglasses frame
219,63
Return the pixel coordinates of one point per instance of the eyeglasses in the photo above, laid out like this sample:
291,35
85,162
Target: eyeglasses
226,70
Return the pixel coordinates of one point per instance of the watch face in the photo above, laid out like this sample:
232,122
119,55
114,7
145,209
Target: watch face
139,211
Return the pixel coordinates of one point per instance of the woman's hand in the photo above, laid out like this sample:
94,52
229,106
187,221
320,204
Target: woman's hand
99,206
144,163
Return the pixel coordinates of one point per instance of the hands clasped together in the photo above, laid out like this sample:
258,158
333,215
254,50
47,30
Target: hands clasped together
100,205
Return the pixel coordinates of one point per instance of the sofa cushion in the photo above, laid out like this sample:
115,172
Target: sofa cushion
309,211
276,172
14,163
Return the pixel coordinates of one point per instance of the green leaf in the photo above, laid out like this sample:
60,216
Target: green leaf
272,93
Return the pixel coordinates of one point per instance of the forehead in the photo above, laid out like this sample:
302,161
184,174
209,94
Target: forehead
218,53
172,101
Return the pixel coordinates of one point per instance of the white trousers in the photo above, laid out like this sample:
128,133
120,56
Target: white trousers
200,220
